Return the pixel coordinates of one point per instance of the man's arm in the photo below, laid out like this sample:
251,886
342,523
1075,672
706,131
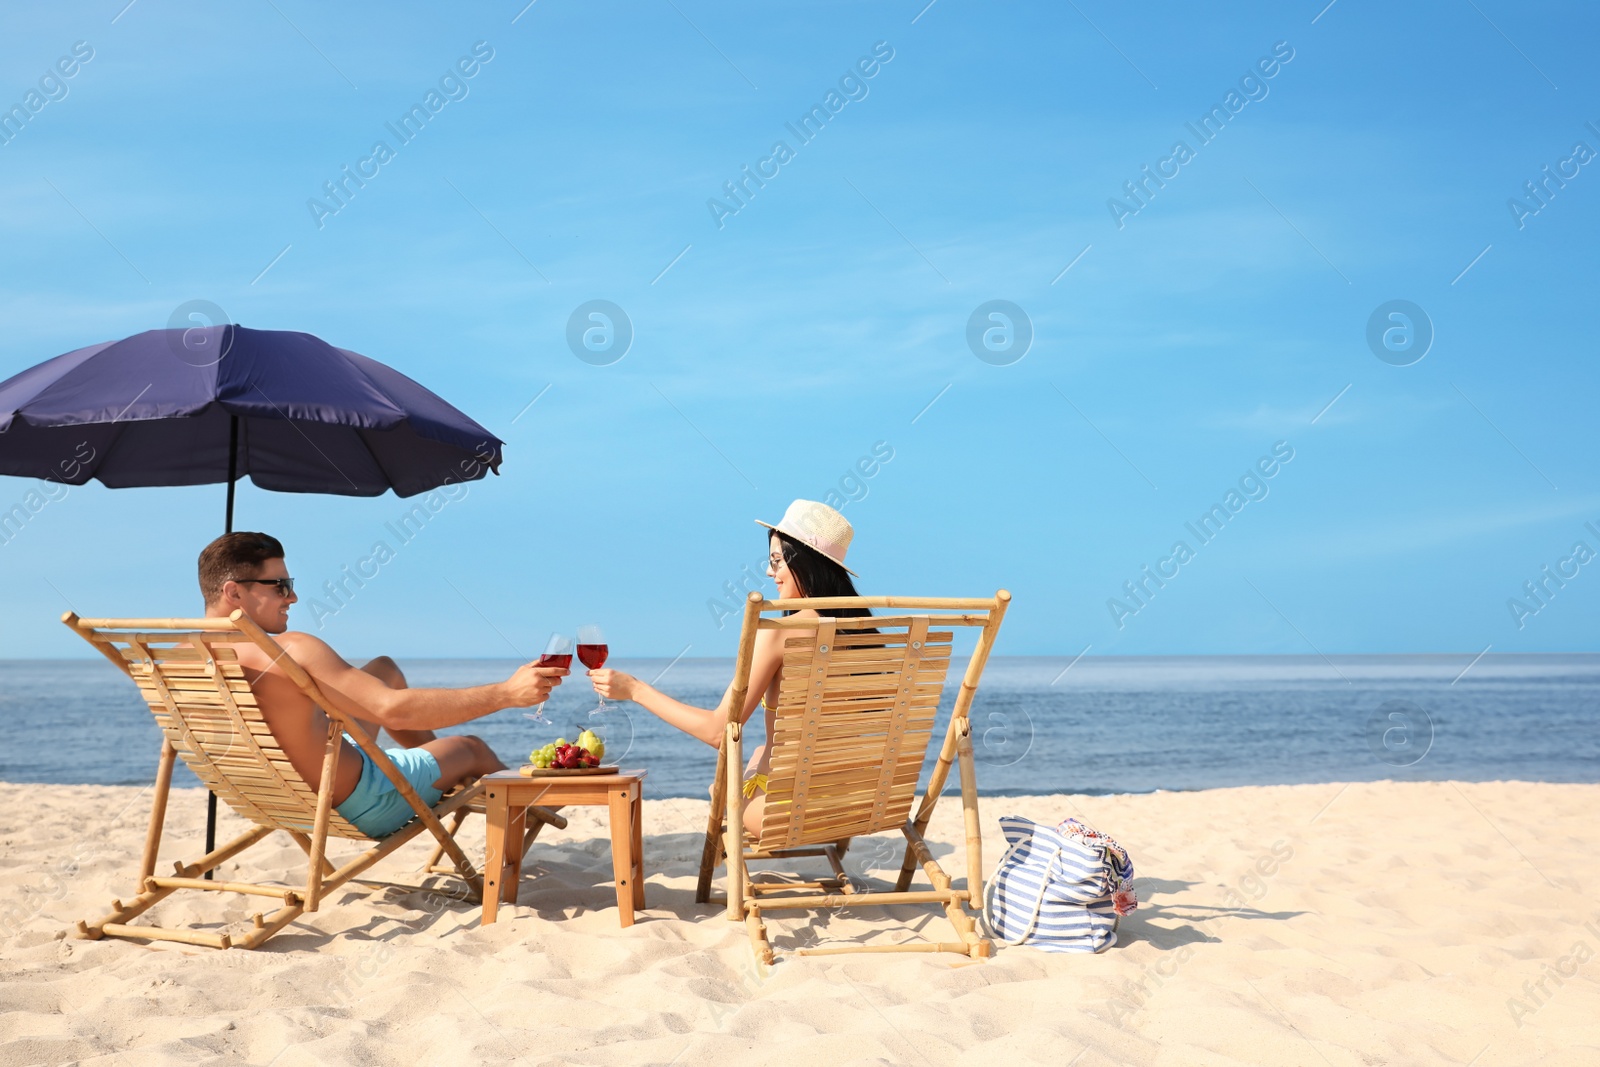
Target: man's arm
358,694
412,738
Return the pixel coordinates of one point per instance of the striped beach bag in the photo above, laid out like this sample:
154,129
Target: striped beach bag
1061,889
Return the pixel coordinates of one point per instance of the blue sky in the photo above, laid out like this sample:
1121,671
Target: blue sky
829,315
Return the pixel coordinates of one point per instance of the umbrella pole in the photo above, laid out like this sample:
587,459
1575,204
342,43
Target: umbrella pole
233,469
227,528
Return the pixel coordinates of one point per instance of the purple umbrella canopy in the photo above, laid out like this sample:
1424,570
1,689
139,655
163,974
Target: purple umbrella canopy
289,411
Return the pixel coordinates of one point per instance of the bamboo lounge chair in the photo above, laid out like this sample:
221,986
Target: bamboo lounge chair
188,671
852,729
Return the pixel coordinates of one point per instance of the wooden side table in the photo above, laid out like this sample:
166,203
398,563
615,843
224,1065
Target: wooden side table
507,795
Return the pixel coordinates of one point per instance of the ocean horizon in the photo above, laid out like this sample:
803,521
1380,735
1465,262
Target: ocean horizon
1041,724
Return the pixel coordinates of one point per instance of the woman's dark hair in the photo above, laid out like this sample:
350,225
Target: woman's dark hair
818,575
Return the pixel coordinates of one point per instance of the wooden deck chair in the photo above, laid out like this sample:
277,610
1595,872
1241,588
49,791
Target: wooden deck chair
853,727
188,672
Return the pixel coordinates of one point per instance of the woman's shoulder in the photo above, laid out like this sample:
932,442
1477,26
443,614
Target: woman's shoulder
776,637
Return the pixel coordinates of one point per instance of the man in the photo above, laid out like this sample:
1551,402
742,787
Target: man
246,571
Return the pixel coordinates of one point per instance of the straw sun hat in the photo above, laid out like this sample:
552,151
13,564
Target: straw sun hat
818,526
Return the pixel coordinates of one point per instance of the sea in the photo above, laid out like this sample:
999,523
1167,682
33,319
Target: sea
1039,724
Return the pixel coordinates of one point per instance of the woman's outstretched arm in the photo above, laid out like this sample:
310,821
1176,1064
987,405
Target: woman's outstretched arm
707,724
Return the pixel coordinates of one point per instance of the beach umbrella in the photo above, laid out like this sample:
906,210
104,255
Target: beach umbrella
212,404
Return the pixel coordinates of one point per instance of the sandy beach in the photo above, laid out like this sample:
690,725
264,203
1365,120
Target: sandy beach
1372,923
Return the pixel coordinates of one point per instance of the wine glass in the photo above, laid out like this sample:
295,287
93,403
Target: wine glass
592,654
557,653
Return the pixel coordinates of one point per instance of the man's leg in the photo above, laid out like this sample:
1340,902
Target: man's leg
389,673
462,757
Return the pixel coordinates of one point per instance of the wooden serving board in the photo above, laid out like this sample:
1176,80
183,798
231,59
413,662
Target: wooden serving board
528,770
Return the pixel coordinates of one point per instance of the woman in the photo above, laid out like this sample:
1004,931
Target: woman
805,559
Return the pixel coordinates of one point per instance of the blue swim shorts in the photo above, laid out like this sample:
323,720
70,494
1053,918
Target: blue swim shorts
376,808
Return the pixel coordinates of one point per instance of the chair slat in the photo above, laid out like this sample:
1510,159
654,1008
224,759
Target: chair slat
162,645
888,659
200,684
186,670
830,780
810,712
880,637
862,692
869,726
879,621
870,751
847,693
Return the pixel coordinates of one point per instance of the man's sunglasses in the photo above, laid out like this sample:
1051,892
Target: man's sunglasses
285,585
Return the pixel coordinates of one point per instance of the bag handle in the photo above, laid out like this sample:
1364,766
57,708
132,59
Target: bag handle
1038,903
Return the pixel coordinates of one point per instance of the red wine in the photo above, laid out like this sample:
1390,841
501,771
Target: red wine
592,656
554,659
